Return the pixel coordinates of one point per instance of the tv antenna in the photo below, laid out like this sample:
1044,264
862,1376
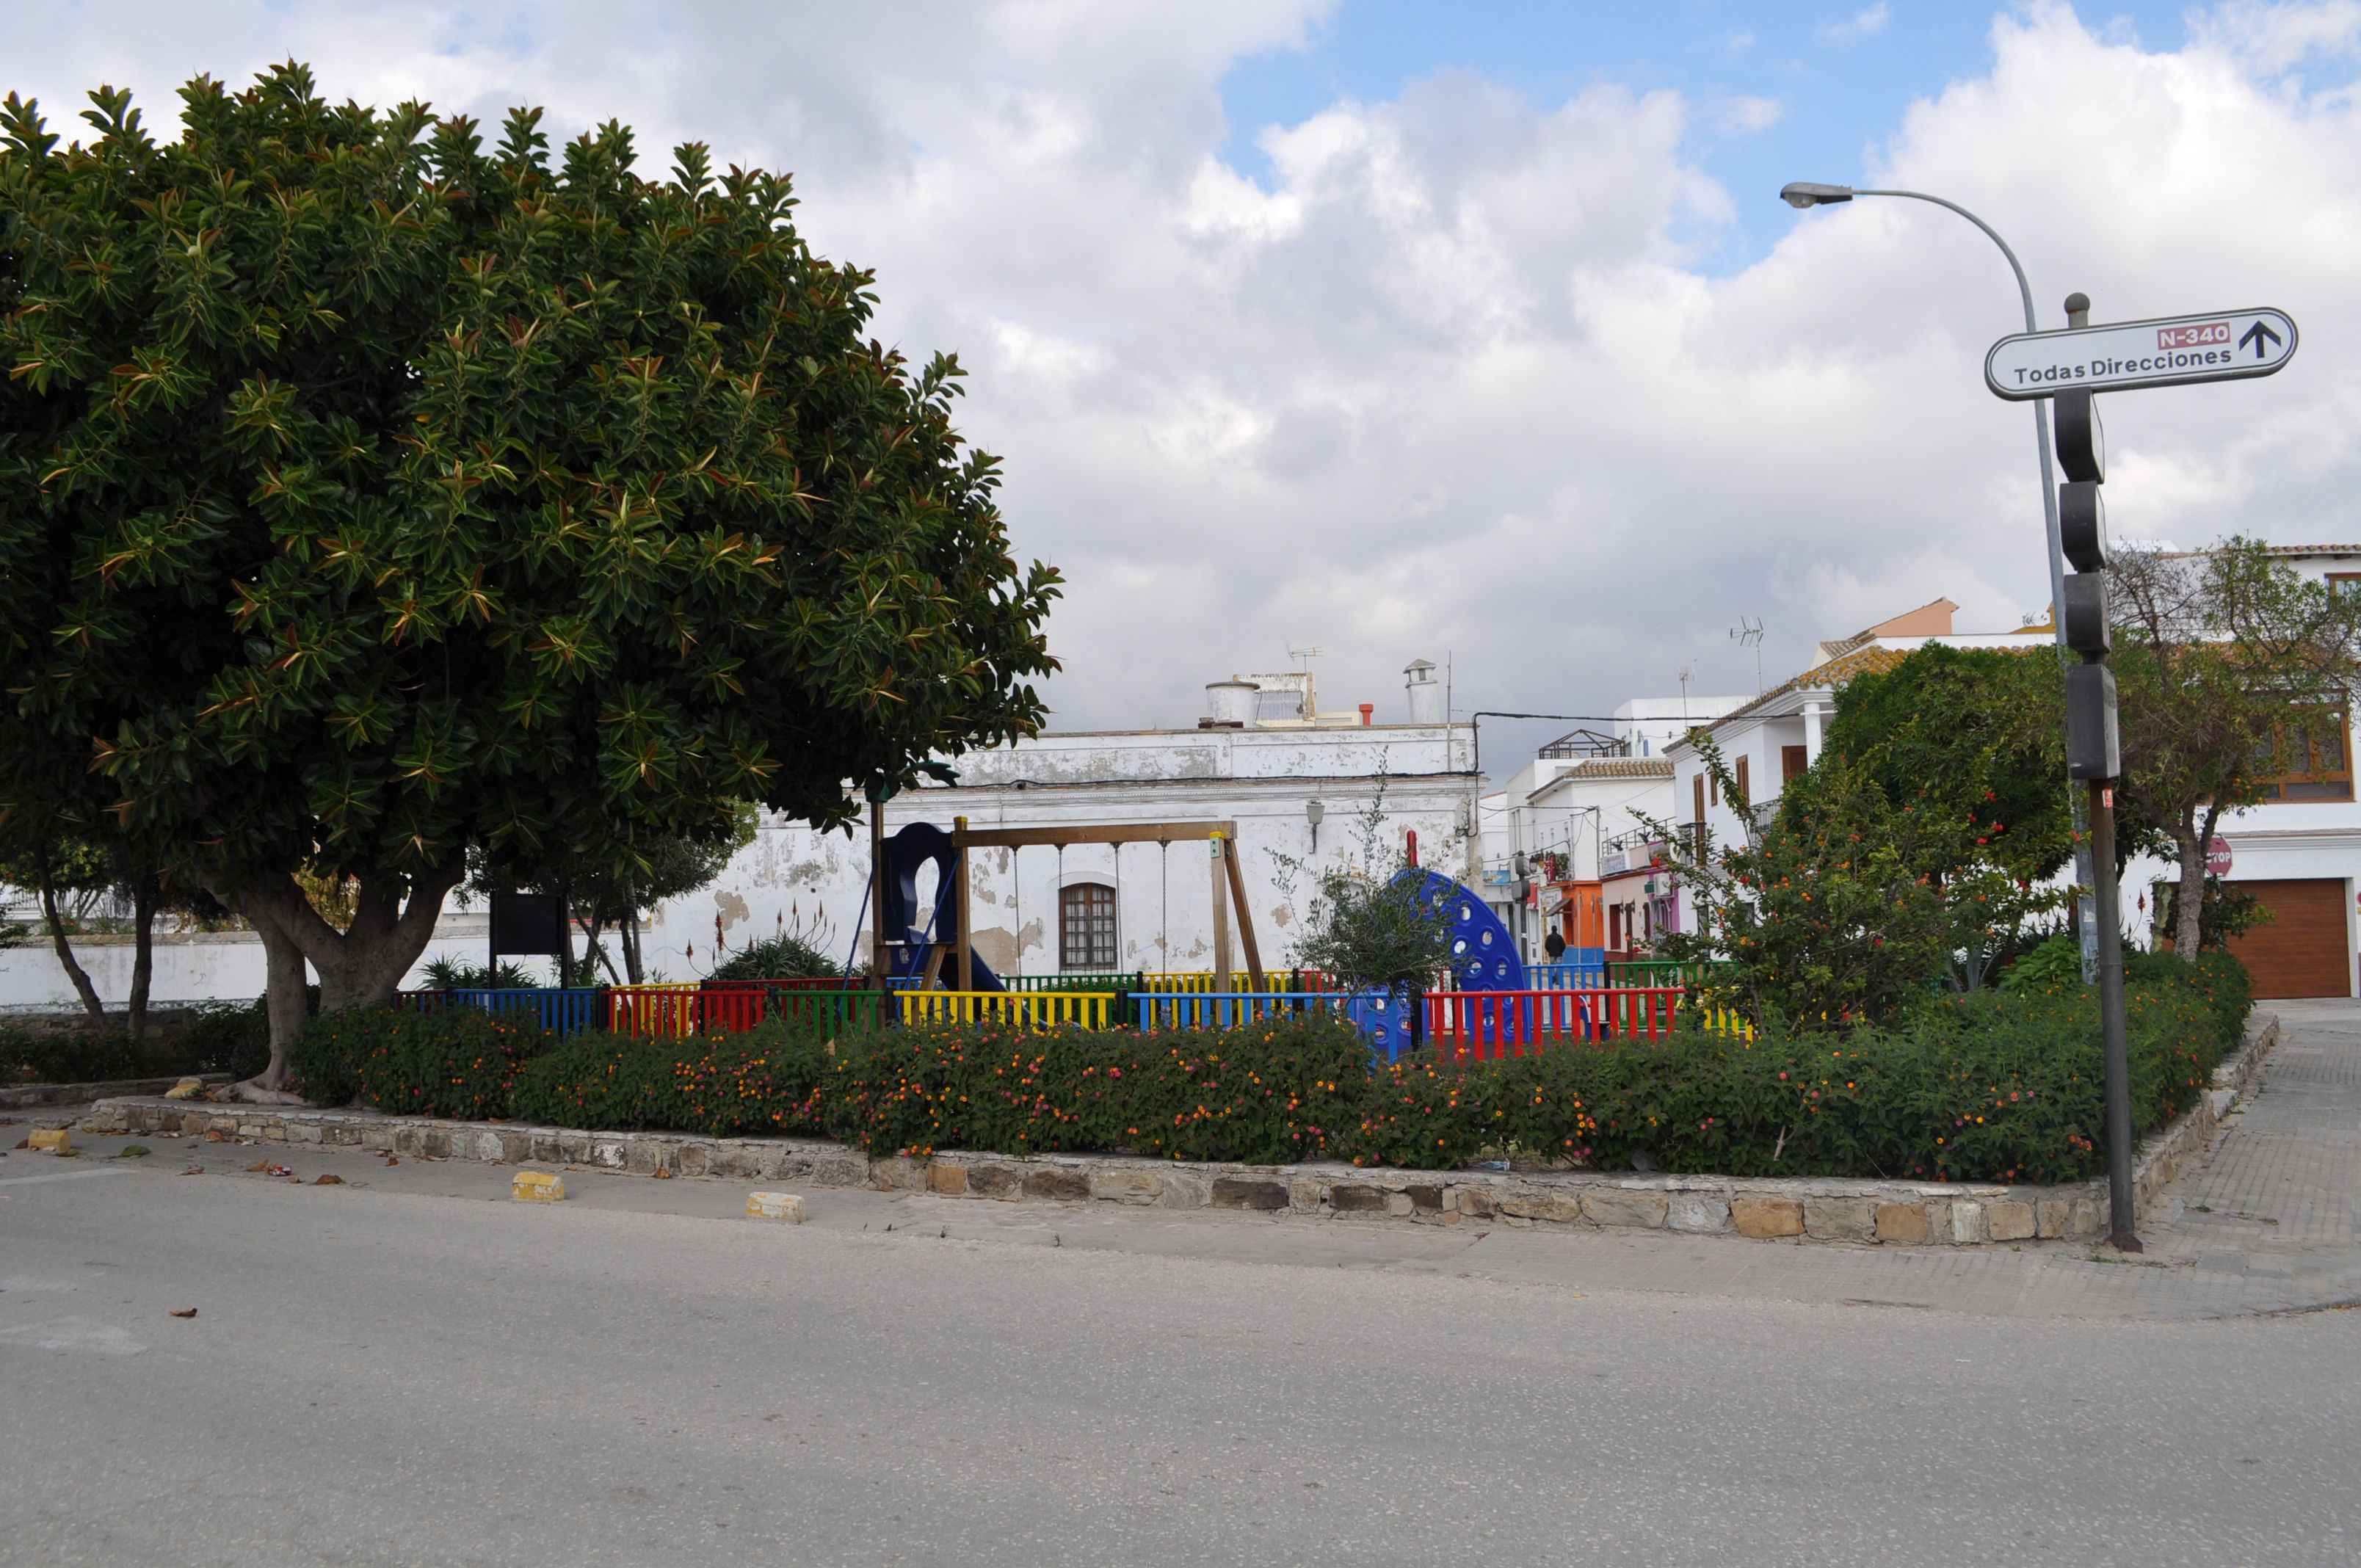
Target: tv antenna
1748,633
1302,656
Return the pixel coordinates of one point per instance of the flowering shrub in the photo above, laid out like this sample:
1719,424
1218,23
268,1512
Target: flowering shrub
456,1062
1993,1086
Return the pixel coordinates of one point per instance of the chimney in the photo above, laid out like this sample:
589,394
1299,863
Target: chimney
1368,708
1230,704
1425,692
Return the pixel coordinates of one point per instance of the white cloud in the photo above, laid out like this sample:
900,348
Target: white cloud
1861,24
1449,379
1744,117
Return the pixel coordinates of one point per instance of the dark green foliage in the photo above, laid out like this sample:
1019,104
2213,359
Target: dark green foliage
2055,965
621,1082
777,958
1995,1087
212,1036
2002,1086
1269,1093
226,1037
1974,737
369,496
79,1056
1827,918
456,1061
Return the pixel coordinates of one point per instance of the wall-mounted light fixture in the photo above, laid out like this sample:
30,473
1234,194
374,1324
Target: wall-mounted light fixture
1313,812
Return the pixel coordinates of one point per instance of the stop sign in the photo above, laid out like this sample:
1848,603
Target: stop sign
2217,858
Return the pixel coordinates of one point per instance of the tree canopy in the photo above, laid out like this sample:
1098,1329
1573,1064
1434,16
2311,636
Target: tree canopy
2235,673
366,497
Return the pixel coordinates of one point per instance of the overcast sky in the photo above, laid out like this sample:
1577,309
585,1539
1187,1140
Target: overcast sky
1372,327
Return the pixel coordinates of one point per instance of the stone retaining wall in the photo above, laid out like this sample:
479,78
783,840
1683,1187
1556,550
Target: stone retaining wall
26,1096
1907,1213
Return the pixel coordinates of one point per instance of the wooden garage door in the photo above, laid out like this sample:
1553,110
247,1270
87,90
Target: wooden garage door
2301,952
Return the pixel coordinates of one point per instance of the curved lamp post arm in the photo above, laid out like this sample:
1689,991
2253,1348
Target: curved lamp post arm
1804,194
2023,289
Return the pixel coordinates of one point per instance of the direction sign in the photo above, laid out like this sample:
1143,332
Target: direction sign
2227,345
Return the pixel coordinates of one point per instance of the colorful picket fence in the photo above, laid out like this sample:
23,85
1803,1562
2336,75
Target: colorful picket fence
561,1011
1202,982
1483,1026
1566,976
1725,1021
730,1006
1229,1009
1025,1010
1644,974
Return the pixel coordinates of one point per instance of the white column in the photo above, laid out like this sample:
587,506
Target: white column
1811,733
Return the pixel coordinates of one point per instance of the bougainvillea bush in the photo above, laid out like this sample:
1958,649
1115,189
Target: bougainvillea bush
2000,1085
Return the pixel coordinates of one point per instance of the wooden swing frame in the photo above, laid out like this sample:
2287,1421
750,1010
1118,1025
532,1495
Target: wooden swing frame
1229,885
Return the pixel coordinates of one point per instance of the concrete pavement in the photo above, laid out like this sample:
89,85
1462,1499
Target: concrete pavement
416,1370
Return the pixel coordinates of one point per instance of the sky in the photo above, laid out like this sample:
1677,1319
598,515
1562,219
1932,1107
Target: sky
1476,334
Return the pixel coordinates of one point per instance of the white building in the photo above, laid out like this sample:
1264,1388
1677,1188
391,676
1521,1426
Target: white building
1559,817
2300,853
1308,790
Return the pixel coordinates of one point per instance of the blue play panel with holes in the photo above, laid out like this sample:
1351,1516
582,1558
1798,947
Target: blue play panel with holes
1483,957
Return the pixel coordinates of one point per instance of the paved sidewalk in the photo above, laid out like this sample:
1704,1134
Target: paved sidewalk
2266,1224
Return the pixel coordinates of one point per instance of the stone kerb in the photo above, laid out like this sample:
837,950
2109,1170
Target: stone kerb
1795,1210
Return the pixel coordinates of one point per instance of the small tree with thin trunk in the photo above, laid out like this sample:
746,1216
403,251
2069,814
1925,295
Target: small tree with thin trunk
2234,672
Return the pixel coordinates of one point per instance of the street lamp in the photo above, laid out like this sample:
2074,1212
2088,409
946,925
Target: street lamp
1803,193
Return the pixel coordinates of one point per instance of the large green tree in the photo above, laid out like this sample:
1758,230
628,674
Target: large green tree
367,496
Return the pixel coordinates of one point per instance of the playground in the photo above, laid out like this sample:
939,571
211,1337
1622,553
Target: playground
923,966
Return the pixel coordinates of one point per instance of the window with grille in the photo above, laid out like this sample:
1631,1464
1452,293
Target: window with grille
1086,928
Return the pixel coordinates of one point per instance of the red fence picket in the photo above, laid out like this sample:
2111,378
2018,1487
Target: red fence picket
1479,1025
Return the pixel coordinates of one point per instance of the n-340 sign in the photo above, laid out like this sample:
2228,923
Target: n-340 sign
2226,345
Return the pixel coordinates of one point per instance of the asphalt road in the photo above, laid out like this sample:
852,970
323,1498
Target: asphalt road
421,1372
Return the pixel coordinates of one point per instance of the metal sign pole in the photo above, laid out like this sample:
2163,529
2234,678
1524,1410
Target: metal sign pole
2067,367
2123,1223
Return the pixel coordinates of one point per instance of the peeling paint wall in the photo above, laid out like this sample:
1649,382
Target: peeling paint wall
1261,780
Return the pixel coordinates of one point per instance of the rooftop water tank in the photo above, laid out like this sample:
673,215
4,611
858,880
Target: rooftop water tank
1230,703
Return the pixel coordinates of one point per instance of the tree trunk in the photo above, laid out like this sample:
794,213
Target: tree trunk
2189,903
564,937
288,1002
143,955
74,971
358,967
631,947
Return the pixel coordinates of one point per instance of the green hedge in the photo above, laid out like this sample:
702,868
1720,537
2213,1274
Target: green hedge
1994,1087
457,1061
1997,1086
212,1036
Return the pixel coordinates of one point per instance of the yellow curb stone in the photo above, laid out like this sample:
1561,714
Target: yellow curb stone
187,1088
537,1187
57,1140
785,1206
